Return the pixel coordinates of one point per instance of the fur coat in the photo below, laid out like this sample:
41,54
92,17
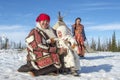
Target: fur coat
40,53
68,42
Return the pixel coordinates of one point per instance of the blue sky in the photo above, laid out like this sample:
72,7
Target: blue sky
99,17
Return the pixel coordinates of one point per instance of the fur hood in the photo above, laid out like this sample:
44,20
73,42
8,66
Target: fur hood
48,31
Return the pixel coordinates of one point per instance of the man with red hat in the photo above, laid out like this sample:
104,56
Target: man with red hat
42,57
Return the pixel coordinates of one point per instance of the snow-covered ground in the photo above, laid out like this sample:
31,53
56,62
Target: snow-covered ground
96,66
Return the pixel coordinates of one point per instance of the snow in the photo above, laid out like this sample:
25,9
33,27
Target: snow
96,66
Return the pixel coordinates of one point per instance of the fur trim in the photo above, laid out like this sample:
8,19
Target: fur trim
32,56
48,31
34,65
58,65
42,46
30,39
28,46
44,53
63,30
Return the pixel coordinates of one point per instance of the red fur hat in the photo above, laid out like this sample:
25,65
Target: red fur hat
42,17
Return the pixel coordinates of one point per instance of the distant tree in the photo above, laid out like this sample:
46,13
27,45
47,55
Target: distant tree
15,45
87,44
5,43
20,45
99,45
114,45
118,46
109,45
104,46
93,44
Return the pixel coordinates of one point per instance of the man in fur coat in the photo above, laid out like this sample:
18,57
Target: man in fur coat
42,57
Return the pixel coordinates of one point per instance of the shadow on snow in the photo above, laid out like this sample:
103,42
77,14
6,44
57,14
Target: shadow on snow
95,57
90,69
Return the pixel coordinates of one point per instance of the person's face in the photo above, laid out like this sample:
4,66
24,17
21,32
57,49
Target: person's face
44,24
59,34
78,21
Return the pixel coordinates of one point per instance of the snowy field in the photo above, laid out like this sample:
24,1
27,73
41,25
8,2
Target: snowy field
96,66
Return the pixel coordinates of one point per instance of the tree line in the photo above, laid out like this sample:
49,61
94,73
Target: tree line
5,43
107,45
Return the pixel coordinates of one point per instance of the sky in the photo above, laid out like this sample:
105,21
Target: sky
95,66
99,17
